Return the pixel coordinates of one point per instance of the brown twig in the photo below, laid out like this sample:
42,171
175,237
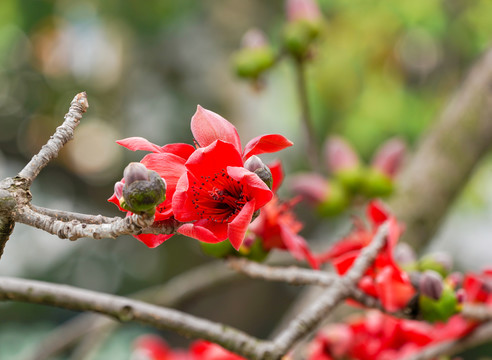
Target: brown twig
125,309
69,216
74,229
330,298
306,118
62,135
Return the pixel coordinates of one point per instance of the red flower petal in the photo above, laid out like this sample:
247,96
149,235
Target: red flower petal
394,288
377,212
139,143
266,144
152,240
114,199
277,174
168,166
208,126
390,156
213,159
183,209
297,246
238,226
206,231
255,188
180,149
339,154
313,187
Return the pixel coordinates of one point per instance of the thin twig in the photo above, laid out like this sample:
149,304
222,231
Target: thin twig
74,229
297,276
62,135
330,298
69,216
306,119
291,275
477,312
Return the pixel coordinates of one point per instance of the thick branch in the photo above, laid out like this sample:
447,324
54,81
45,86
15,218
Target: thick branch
62,135
177,290
446,157
124,309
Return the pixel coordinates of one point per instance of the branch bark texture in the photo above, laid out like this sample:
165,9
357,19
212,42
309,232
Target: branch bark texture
446,157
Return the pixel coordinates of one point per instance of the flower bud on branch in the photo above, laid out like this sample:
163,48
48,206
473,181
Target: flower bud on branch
143,190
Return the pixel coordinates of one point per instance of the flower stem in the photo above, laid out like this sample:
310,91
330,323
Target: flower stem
306,119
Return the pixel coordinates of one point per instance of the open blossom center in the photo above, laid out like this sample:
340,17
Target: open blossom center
218,197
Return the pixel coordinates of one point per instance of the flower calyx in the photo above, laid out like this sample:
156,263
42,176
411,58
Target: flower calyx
143,189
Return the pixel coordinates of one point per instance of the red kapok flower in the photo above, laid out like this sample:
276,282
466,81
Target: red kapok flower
223,209
278,227
384,279
168,161
377,336
216,194
478,287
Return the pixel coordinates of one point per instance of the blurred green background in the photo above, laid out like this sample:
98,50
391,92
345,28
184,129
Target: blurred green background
381,68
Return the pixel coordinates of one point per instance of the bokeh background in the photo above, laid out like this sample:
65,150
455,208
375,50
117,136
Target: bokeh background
382,68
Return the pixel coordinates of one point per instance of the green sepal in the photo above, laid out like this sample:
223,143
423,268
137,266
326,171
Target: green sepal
251,62
439,310
336,203
377,184
142,196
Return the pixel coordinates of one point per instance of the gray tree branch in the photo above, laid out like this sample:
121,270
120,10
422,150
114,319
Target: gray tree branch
446,157
125,309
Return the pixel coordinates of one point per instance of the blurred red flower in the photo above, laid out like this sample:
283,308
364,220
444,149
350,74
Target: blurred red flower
384,279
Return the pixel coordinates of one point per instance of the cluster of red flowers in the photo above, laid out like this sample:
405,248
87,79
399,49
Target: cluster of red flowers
384,280
376,336
208,187
152,347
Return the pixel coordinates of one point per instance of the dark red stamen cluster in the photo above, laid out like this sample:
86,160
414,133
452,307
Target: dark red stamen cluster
218,197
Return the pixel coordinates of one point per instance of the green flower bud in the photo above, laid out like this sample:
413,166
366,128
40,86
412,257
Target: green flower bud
143,189
377,184
439,310
351,179
299,36
252,62
336,201
254,164
439,262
